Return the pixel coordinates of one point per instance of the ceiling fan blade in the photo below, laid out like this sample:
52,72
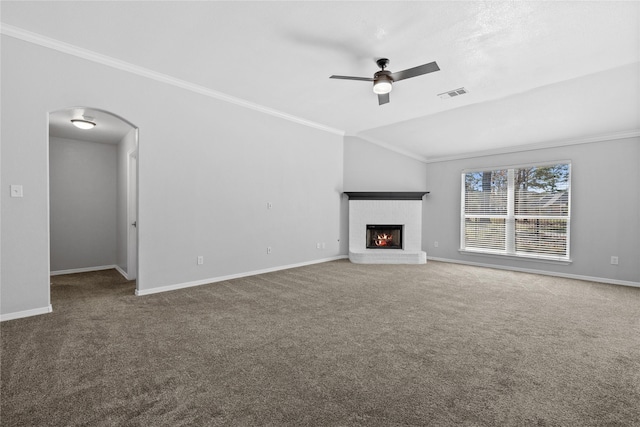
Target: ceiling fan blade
415,71
366,79
383,98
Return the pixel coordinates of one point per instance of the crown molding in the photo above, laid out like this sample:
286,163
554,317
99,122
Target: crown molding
38,39
538,146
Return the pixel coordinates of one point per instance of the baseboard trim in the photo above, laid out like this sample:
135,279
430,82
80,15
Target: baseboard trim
121,271
142,292
83,270
542,272
26,313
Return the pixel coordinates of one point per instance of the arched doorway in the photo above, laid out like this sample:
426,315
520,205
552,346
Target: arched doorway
92,192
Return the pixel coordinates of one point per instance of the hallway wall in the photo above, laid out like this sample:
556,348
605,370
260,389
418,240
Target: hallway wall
82,204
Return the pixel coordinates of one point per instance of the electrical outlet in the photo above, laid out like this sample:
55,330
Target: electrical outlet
200,260
318,245
269,205
16,191
614,260
324,245
268,249
435,244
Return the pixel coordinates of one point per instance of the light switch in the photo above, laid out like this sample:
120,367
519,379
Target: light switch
16,191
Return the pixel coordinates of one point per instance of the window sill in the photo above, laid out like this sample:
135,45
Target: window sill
548,260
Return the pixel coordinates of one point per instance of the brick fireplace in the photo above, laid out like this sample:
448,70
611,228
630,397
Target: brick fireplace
386,227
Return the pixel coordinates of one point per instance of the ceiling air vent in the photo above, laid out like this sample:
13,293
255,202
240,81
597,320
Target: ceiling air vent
452,93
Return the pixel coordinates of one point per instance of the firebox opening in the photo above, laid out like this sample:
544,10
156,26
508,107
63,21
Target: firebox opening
384,236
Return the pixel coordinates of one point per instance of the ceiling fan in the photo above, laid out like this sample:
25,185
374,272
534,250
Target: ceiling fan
383,79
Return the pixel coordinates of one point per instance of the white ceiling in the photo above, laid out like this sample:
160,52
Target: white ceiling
536,72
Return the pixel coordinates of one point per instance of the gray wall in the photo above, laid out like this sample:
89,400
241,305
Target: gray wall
605,209
82,204
370,167
207,169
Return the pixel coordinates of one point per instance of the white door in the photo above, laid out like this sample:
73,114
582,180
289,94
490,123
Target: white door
132,202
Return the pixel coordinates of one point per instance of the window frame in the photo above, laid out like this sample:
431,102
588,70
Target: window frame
510,217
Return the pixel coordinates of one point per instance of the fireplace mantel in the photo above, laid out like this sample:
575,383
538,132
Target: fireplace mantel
385,195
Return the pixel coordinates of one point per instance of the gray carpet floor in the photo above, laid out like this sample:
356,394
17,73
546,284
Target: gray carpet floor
333,344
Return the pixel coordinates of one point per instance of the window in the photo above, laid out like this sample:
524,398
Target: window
519,211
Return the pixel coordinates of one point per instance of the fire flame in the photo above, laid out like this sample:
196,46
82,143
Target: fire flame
383,239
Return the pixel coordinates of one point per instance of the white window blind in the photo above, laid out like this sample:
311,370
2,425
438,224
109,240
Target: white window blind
522,211
485,201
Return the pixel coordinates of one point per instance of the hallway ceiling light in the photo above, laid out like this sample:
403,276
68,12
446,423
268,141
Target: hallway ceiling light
83,122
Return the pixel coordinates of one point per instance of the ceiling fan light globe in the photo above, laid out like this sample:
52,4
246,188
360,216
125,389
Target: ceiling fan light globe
382,86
